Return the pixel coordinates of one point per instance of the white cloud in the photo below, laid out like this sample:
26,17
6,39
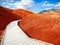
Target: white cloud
18,4
58,5
46,4
23,3
47,8
43,6
10,0
49,4
30,5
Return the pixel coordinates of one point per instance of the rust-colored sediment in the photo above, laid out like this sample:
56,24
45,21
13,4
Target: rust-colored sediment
44,27
6,16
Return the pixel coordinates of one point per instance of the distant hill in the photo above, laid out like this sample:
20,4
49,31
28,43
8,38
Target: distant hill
50,11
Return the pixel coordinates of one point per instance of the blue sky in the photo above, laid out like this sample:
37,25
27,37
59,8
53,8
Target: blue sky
32,5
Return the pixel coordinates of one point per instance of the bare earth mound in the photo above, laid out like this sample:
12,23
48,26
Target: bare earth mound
45,27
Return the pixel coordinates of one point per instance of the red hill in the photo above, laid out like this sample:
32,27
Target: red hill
39,26
8,15
42,27
22,13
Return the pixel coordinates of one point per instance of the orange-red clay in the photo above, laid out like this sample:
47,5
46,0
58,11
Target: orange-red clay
44,27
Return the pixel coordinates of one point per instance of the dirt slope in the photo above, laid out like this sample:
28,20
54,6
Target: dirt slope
42,27
6,16
22,13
